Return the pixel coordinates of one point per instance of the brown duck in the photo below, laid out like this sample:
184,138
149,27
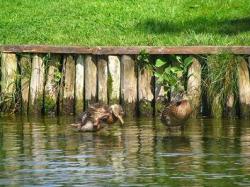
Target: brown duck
97,116
176,112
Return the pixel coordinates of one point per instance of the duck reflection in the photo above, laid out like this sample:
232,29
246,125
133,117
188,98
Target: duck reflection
177,152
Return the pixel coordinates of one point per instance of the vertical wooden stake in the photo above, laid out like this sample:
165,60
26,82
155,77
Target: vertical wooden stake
194,86
52,85
90,81
244,89
67,106
102,66
114,79
25,65
230,111
128,85
79,100
8,81
36,85
145,92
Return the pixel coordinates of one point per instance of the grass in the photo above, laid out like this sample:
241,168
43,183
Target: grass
125,22
222,81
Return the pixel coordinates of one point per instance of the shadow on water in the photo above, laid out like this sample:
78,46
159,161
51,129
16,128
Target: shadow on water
199,25
143,152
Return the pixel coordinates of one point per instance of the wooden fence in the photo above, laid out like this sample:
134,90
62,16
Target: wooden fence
66,80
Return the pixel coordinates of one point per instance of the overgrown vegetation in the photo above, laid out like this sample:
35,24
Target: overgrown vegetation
172,74
221,81
170,71
125,22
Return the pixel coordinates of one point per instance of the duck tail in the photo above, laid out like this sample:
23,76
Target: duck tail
76,125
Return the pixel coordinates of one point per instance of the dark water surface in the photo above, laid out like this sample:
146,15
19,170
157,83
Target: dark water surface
47,152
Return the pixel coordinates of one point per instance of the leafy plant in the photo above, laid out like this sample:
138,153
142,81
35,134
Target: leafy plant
172,77
143,61
57,76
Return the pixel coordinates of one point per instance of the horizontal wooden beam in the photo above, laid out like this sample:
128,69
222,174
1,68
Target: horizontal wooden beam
124,50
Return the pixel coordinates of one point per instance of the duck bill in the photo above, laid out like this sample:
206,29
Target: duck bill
120,119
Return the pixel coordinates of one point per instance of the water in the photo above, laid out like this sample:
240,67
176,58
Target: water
47,152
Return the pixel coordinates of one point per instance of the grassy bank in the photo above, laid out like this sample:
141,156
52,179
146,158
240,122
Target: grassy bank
125,22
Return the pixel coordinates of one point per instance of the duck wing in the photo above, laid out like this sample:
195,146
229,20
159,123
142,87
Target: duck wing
98,112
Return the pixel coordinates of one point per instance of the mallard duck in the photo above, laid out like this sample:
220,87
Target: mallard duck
97,116
176,112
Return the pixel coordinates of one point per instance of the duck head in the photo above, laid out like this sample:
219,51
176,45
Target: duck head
117,112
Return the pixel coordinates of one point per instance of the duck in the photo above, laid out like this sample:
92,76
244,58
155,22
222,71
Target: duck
176,112
97,116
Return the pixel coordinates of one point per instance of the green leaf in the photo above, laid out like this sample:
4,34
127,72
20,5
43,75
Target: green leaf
175,69
157,74
188,61
159,63
178,58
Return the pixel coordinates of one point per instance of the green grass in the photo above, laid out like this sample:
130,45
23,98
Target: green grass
125,22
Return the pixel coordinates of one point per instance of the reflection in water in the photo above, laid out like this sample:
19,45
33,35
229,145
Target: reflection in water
47,151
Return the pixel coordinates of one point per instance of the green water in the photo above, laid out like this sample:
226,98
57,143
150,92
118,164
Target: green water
47,152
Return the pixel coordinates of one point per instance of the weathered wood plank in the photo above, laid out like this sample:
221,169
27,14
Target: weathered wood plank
114,79
25,66
125,50
79,100
129,85
90,72
8,82
36,85
194,86
244,89
67,98
146,96
52,85
102,66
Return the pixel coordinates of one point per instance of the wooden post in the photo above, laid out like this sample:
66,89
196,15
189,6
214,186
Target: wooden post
36,85
25,66
244,89
90,81
52,85
230,109
8,81
114,79
194,86
249,62
102,66
67,104
146,90
79,100
128,85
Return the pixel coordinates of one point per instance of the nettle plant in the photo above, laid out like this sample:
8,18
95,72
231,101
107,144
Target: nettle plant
172,76
170,72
